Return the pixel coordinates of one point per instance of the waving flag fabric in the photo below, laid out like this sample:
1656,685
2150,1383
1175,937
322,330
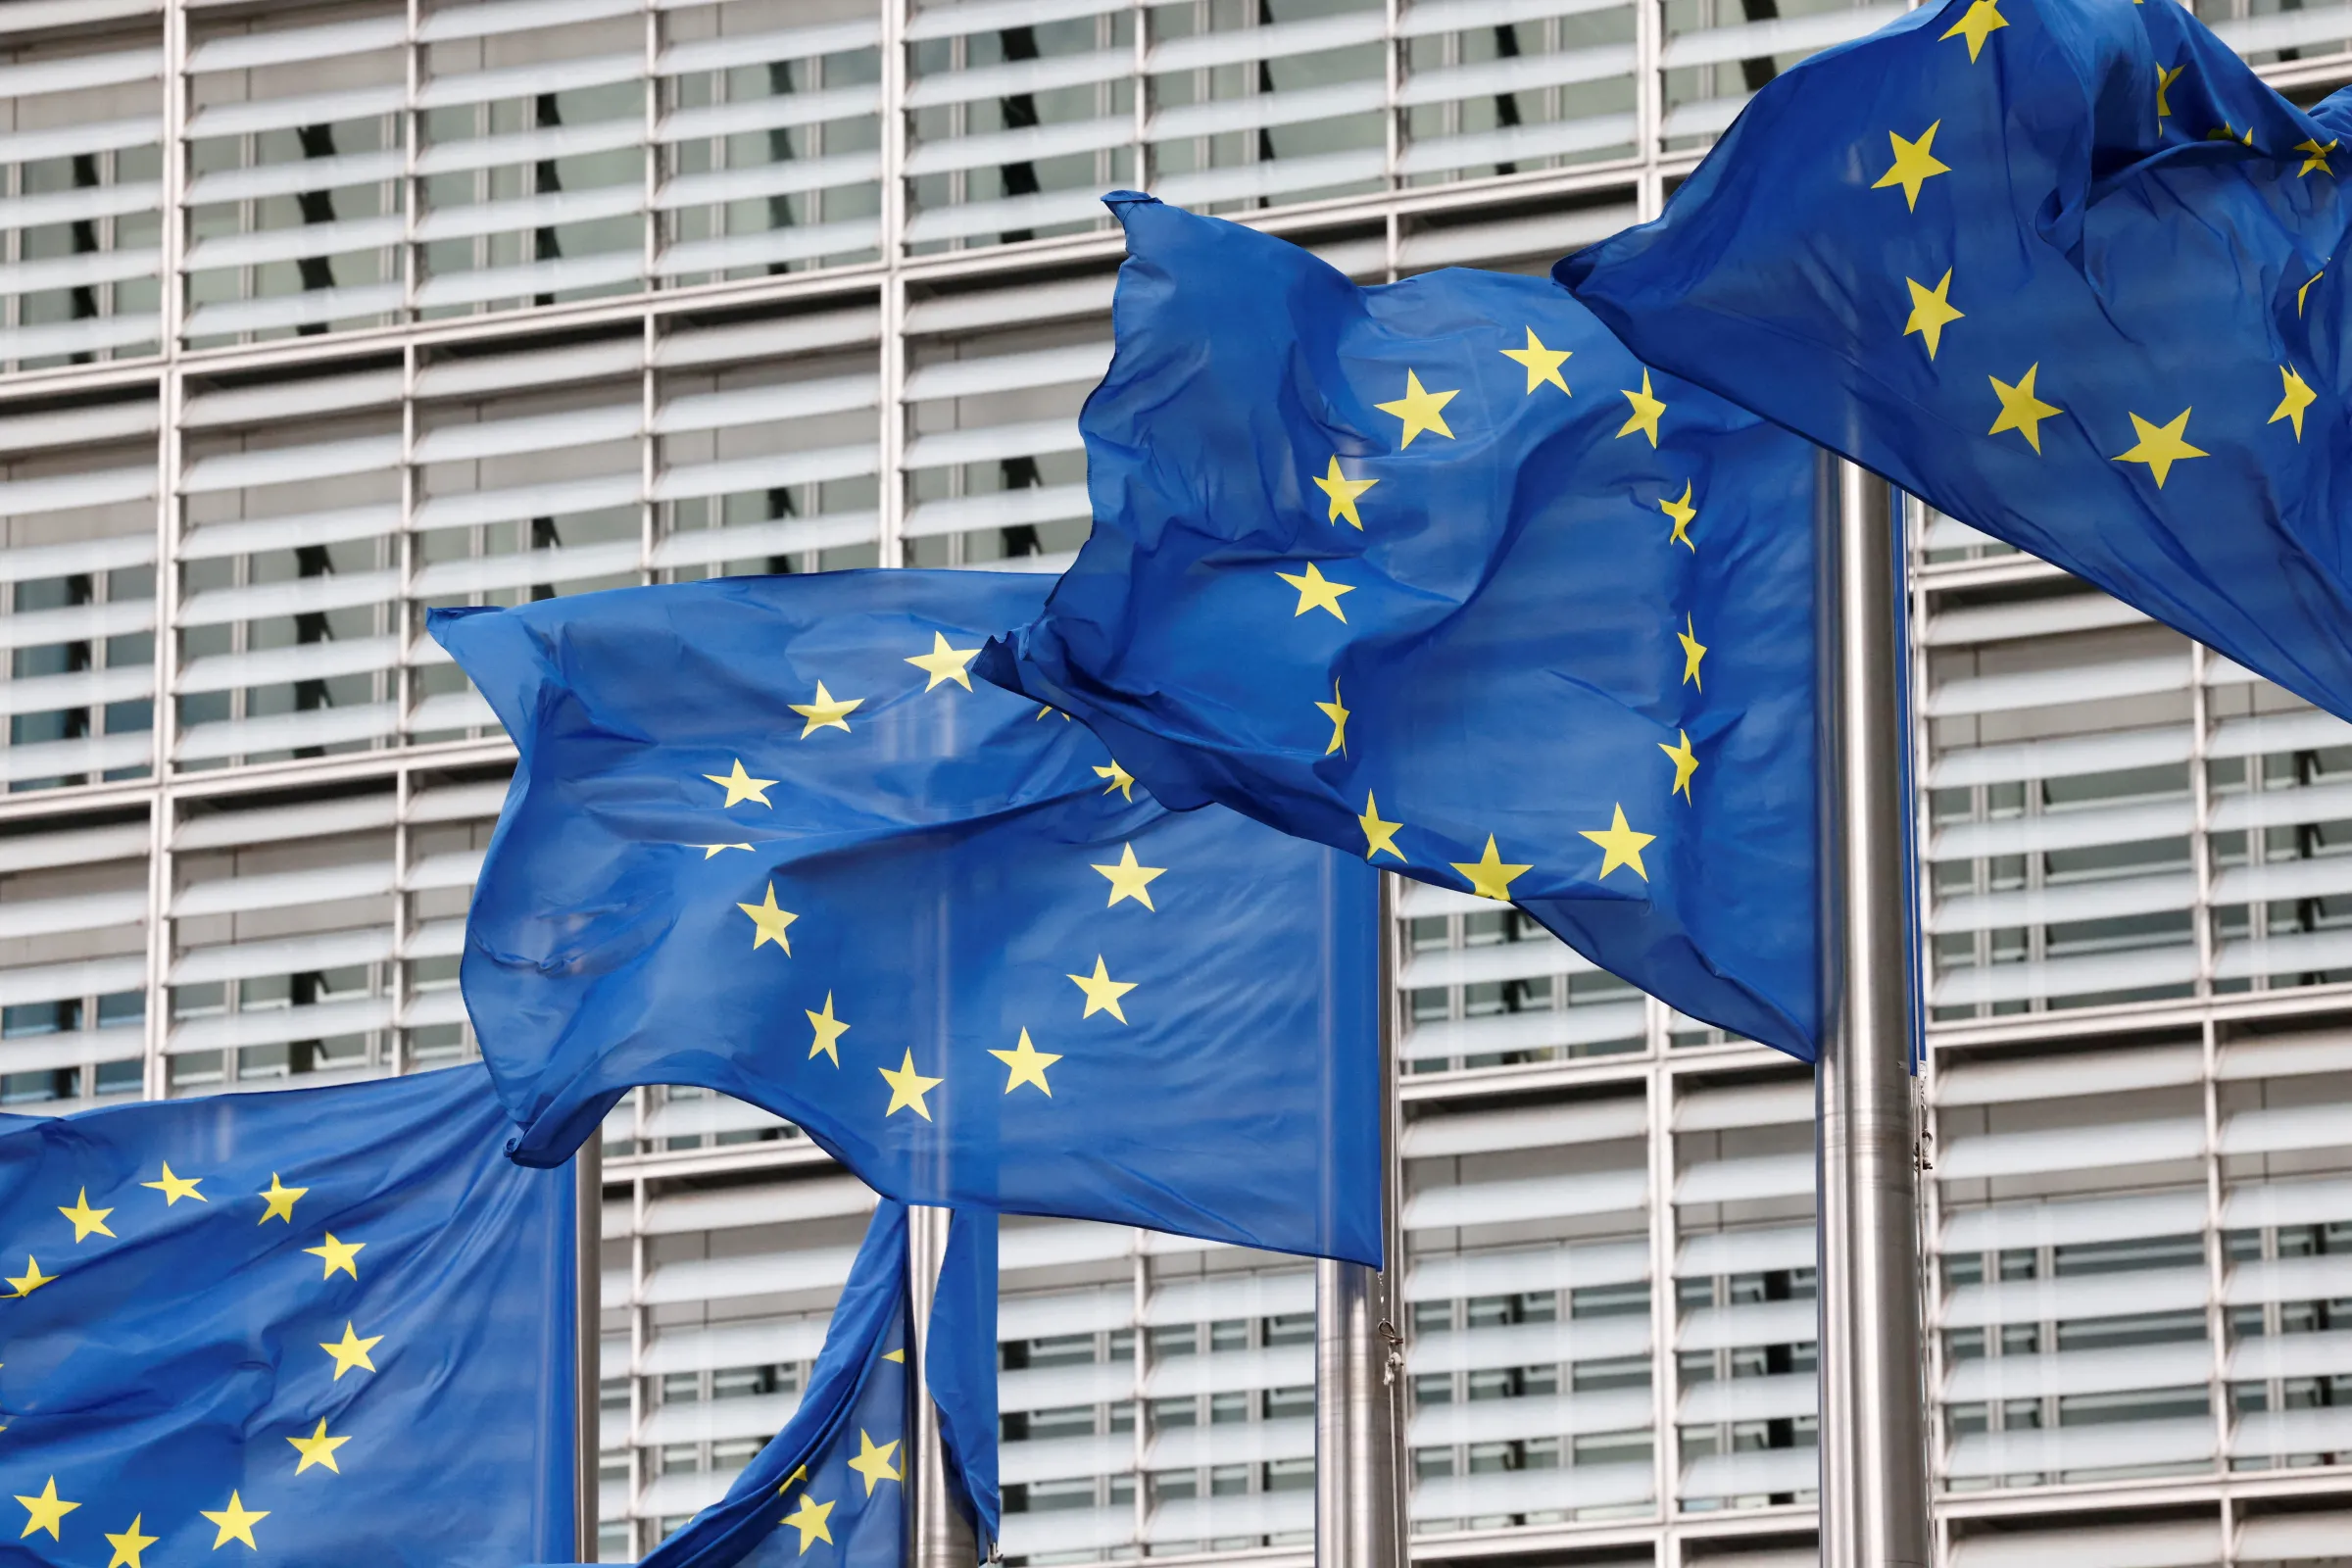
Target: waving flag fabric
320,1326
768,836
2066,268
830,1490
1439,574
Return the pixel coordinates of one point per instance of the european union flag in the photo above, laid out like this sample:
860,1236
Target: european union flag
766,835
323,1325
2071,272
1438,574
830,1490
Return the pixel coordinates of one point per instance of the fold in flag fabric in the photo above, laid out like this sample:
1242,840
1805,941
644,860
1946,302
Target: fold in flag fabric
2067,269
316,1326
1439,574
959,1368
830,1490
768,836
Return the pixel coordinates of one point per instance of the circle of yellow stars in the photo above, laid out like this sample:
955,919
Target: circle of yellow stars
46,1511
2159,442
1421,412
1129,879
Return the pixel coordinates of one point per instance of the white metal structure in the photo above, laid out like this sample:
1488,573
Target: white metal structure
312,316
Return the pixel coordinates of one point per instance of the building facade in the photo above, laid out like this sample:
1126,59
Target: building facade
313,316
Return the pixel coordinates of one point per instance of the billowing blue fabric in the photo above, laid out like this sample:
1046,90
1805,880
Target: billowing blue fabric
1509,658
940,858
856,1403
2129,213
167,1350
959,1368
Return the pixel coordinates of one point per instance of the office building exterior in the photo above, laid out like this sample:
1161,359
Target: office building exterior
313,316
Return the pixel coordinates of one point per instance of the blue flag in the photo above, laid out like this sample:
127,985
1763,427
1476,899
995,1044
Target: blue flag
2069,270
768,836
960,1368
1439,574
323,1325
830,1490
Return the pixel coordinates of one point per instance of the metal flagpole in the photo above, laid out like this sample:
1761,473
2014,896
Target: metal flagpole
939,1535
1873,1361
1359,1361
588,1316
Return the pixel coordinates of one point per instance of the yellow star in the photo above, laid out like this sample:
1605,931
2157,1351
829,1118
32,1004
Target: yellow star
1491,877
942,662
46,1511
1120,780
1915,164
898,1355
342,1255
1685,763
1027,1065
2021,409
1378,835
712,852
236,1522
809,1520
1619,845
2228,132
1336,711
1049,709
2164,84
873,1462
1317,592
1129,880
1983,21
1693,652
907,1088
318,1448
740,787
2297,396
1419,409
1342,491
2315,158
829,1031
2306,288
826,712
1930,312
351,1350
1646,409
1542,363
1684,514
87,1221
799,1472
128,1544
175,1187
2160,446
280,1201
1103,993
32,1281
770,922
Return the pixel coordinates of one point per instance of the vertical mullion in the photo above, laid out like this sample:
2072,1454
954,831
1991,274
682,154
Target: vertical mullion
404,796
2217,1263
2200,790
1663,1298
171,235
412,183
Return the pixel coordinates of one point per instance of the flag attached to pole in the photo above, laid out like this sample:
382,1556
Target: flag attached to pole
1439,574
830,1490
315,1326
2071,272
768,836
